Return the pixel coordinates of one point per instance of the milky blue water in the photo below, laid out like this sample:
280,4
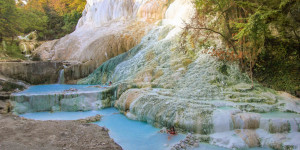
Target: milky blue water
129,134
60,115
58,88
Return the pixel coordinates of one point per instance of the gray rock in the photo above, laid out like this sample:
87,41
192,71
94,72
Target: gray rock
196,145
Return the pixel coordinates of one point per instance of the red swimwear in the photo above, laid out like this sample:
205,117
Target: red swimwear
172,132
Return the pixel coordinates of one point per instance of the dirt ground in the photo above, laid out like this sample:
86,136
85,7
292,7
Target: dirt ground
18,133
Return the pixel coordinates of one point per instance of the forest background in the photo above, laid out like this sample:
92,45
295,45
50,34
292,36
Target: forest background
262,36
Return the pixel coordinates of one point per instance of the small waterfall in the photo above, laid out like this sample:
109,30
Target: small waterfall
61,78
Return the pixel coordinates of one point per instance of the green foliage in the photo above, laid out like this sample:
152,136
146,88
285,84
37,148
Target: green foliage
223,69
77,5
70,21
34,21
9,20
54,24
254,30
51,19
58,24
14,51
11,51
11,24
264,35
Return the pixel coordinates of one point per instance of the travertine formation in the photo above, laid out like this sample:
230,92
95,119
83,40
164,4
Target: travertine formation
32,72
156,83
108,28
168,88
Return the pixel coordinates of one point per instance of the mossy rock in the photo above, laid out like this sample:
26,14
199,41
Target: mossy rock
186,62
283,128
242,87
223,69
150,56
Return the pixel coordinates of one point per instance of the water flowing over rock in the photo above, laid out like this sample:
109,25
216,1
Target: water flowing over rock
28,43
59,97
32,72
61,78
8,86
168,88
107,28
156,83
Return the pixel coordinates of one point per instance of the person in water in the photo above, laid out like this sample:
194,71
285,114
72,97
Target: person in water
110,83
172,131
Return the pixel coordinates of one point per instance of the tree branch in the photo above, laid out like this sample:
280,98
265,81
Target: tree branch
204,28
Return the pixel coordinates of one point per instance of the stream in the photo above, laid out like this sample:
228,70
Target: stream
129,134
72,102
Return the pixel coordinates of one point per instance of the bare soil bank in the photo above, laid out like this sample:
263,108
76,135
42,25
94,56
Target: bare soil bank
17,133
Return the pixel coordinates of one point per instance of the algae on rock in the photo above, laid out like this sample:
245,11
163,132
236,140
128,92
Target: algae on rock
172,92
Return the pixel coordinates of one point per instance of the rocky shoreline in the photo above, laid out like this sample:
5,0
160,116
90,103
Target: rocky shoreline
20,133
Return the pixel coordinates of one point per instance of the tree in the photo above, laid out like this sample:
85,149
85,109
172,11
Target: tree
255,30
9,21
56,17
252,35
70,21
51,18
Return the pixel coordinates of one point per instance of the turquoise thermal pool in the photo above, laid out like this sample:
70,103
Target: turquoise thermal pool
72,102
129,134
59,89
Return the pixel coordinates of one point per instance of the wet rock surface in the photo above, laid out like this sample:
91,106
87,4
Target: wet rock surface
32,72
90,119
58,97
5,106
8,86
155,83
189,142
164,88
19,133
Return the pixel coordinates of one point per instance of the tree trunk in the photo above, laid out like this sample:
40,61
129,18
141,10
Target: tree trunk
229,34
251,72
12,40
1,38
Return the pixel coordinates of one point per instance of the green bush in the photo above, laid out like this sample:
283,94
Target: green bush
11,51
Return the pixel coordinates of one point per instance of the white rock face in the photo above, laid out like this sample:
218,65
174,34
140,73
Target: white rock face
155,83
24,1
179,12
98,12
167,88
111,27
113,23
